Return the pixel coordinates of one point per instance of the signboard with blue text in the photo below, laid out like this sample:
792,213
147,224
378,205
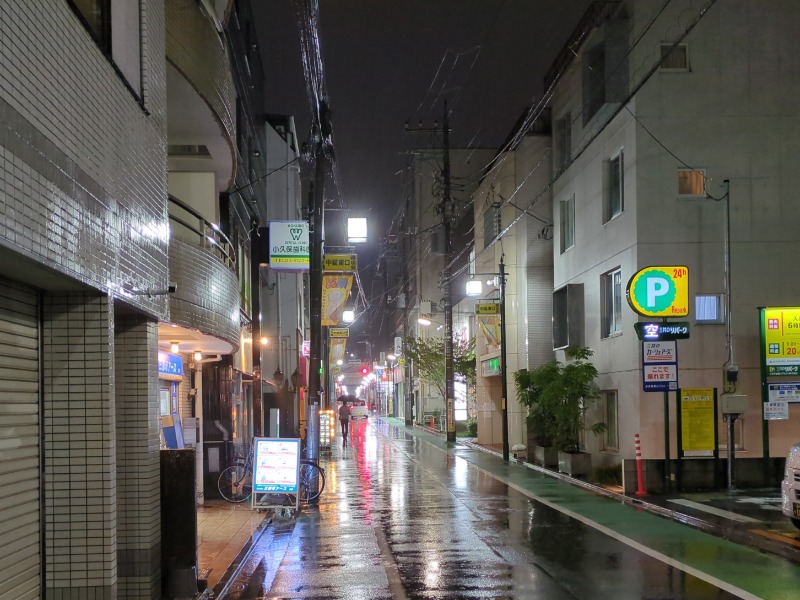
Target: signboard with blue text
170,366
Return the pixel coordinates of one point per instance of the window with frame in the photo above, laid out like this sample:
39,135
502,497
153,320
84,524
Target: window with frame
692,183
563,139
116,29
568,316
567,224
611,419
613,200
611,287
674,57
709,309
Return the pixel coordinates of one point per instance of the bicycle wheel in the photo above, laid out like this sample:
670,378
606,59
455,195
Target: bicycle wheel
236,483
312,481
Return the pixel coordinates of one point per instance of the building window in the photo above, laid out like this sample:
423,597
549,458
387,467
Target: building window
709,309
611,286
692,182
611,419
491,223
568,316
593,81
674,58
613,201
96,17
567,229
116,29
563,140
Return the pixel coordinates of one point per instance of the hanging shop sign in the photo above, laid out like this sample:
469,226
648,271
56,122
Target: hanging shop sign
338,345
487,308
288,246
335,291
660,291
339,332
780,332
490,367
342,263
170,366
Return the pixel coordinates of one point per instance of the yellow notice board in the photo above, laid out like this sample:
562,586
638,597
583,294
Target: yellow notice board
698,421
781,335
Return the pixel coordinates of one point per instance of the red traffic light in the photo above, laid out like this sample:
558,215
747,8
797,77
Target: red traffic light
364,370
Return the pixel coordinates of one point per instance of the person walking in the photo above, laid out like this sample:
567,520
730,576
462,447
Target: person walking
344,419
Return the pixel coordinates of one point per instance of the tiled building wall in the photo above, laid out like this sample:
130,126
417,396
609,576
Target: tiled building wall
204,64
207,297
82,162
138,469
80,485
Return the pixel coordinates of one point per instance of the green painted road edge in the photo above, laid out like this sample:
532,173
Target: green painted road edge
738,569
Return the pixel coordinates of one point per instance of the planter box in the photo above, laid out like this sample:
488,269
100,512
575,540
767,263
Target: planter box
545,456
578,464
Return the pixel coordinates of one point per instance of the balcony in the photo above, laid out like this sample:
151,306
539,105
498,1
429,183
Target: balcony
204,310
201,97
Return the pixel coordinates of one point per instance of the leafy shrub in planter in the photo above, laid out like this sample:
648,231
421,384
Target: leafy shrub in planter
557,395
472,428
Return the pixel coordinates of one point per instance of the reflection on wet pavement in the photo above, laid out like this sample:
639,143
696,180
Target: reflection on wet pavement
401,518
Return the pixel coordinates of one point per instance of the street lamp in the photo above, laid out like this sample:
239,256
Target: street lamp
503,383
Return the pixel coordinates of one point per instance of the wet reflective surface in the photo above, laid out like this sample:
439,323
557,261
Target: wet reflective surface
402,518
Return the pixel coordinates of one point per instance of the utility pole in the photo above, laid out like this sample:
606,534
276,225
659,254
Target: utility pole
316,217
448,301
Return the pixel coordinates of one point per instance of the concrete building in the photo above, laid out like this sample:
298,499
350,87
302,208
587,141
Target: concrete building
660,121
129,184
512,210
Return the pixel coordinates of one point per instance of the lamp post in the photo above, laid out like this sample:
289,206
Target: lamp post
503,381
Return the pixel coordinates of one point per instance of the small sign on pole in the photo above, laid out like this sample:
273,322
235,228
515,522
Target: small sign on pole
659,366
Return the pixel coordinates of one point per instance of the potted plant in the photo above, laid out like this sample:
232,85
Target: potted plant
557,396
539,421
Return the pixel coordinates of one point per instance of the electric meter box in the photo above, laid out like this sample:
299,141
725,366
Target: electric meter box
735,404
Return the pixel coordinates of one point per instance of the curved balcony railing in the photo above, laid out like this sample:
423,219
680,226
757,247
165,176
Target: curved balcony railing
206,235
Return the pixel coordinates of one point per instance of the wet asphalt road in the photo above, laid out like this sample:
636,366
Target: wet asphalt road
400,518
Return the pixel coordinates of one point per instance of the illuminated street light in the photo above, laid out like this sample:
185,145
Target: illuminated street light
348,316
356,230
424,321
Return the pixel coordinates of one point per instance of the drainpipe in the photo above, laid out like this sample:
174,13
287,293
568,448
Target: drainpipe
198,413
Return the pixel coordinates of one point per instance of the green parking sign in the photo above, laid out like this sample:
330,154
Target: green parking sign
660,291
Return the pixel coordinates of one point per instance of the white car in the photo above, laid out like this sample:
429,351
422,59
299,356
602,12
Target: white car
359,410
790,487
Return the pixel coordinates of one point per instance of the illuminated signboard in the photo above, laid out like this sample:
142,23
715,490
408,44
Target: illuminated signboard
661,291
662,331
340,262
170,366
490,367
781,334
277,465
288,246
659,366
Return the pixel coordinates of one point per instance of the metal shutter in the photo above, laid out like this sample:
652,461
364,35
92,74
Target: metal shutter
19,442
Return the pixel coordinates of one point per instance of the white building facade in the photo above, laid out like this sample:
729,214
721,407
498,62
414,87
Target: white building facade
656,116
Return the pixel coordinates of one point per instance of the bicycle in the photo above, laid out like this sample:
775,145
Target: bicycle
236,482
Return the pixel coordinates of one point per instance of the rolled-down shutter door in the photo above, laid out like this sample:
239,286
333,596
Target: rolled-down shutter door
19,442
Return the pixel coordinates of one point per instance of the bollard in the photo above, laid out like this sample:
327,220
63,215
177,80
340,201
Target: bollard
640,489
433,420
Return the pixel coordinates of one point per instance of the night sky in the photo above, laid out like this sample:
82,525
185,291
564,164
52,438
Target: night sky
392,61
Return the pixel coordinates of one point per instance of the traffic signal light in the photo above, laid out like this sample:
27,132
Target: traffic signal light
364,370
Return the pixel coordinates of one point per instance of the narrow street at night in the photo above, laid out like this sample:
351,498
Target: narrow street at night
402,516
